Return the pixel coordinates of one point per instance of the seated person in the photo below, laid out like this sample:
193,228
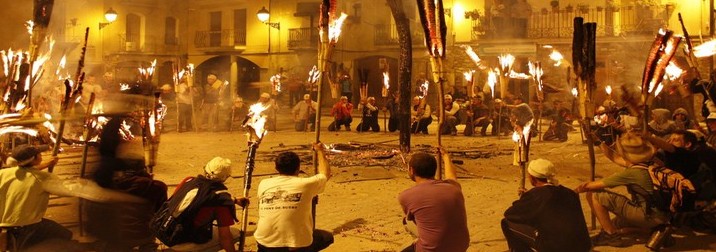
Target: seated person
451,116
547,217
218,206
370,115
304,113
420,116
661,124
478,115
341,113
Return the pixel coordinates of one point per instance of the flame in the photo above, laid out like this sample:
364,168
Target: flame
147,73
190,67
334,28
313,74
125,132
61,66
521,76
608,89
471,53
257,121
506,61
152,124
18,129
123,87
658,89
673,71
536,72
5,62
574,92
386,80
276,82
424,89
30,26
517,136
706,49
468,75
557,57
491,81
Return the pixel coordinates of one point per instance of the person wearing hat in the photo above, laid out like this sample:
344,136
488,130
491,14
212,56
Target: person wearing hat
26,198
304,113
212,93
451,112
637,154
285,203
370,111
270,111
547,217
711,128
341,113
184,103
420,115
218,208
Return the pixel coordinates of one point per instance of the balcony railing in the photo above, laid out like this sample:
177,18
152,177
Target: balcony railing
388,35
223,38
151,44
299,38
558,22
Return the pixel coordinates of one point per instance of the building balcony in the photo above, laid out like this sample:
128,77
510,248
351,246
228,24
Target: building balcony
387,35
224,39
302,38
131,44
556,23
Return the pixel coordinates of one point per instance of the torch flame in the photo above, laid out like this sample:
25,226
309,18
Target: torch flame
334,28
658,89
491,81
386,80
473,56
608,89
123,87
574,92
706,49
557,57
673,71
506,61
521,76
18,129
468,75
256,121
61,66
5,62
424,89
30,26
276,82
313,74
152,124
517,136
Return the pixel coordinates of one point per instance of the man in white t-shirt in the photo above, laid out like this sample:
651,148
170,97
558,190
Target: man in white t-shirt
285,220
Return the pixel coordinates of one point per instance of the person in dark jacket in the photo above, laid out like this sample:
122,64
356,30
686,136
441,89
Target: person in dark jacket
547,217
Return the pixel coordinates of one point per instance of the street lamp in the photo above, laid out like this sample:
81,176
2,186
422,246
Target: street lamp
263,16
110,16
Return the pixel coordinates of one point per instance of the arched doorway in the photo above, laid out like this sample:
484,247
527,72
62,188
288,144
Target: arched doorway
247,72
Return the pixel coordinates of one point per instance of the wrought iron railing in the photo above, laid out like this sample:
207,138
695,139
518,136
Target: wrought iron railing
302,38
388,35
223,38
558,22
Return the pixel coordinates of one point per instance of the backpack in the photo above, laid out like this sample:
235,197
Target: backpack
173,222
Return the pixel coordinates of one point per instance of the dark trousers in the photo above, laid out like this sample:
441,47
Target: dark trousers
27,236
421,125
369,123
184,117
344,121
321,240
393,124
519,237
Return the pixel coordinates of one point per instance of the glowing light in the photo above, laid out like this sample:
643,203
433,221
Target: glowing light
30,26
574,92
608,89
706,49
518,136
257,121
61,66
5,62
468,75
506,62
473,56
673,71
147,73
424,89
276,82
18,129
658,89
386,80
536,72
521,76
313,74
492,81
123,87
334,28
557,57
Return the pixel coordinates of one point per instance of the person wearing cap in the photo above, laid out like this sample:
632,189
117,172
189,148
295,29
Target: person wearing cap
212,92
26,199
711,128
547,217
661,123
435,207
341,113
421,116
285,203
219,208
682,120
451,110
478,115
270,111
304,113
370,111
633,214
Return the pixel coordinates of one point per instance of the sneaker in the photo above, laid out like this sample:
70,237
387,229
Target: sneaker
611,240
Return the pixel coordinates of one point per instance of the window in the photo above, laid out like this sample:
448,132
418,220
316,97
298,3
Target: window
170,31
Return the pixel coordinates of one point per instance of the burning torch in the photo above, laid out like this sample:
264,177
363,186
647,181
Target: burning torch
660,54
536,73
523,117
432,17
254,124
506,62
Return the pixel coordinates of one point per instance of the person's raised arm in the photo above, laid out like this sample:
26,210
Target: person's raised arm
447,163
323,166
660,143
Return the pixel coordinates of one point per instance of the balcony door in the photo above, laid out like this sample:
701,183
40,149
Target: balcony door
133,31
215,28
240,27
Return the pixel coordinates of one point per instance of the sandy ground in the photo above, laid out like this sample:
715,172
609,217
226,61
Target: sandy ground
359,204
